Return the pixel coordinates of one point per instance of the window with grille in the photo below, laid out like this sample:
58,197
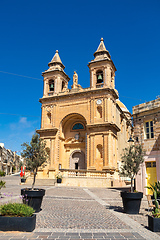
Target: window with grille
149,130
150,164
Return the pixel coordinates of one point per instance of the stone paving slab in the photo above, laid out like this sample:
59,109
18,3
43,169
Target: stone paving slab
71,235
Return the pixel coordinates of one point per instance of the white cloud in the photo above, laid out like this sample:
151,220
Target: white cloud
23,123
23,120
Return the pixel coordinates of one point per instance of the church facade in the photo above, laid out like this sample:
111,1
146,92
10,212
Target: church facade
85,129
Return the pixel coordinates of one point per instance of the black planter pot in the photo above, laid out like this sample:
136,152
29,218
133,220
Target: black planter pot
24,224
154,224
59,180
131,202
33,198
23,180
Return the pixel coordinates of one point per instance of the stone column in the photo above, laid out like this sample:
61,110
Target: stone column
10,169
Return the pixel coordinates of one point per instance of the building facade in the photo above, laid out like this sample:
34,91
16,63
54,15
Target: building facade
146,121
85,129
9,160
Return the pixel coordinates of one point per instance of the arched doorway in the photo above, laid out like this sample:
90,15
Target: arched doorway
72,144
77,160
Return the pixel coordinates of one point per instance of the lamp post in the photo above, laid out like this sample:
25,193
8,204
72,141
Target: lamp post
130,139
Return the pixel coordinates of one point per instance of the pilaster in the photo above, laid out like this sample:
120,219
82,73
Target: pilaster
110,149
92,110
105,150
45,88
105,76
109,110
91,79
108,76
52,152
92,152
106,109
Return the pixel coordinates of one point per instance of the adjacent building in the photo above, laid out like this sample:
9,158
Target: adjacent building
85,129
9,160
146,121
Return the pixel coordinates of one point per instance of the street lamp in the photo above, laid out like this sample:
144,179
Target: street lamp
130,139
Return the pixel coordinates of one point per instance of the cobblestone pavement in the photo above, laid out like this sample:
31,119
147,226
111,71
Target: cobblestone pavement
80,213
112,196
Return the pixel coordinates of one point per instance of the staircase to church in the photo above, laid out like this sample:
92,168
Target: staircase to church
41,182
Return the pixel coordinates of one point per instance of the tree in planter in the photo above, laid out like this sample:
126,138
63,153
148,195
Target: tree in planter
132,157
35,155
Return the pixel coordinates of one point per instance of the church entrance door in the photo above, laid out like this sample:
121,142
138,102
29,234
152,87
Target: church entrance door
77,160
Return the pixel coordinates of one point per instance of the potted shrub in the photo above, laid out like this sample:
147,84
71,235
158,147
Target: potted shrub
23,179
2,183
155,187
35,156
131,159
59,177
154,218
17,217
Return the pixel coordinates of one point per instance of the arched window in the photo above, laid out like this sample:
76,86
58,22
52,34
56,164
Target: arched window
51,85
99,75
78,126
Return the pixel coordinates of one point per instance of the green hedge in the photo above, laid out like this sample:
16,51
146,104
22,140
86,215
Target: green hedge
16,210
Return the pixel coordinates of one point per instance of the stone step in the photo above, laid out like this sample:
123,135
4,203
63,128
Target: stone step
42,182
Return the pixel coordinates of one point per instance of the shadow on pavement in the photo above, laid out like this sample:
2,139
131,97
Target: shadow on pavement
115,208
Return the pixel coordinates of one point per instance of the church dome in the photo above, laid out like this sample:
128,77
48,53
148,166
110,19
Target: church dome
122,106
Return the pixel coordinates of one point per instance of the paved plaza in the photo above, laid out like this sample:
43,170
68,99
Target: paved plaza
80,213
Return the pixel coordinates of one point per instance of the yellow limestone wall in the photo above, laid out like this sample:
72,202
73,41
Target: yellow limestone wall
106,121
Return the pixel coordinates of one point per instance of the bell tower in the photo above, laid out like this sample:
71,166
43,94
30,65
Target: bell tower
102,69
55,79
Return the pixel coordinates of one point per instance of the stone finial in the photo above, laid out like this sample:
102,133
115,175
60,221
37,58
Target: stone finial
56,58
56,62
101,52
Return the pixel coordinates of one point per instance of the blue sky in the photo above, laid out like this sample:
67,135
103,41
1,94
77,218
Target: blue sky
31,32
